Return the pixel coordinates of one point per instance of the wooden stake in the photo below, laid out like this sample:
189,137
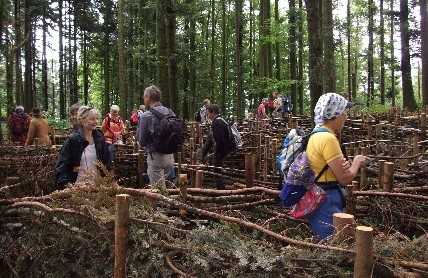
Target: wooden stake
183,193
388,177
344,226
121,234
199,178
350,200
249,170
364,252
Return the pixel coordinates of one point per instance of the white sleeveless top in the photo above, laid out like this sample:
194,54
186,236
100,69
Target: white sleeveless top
88,168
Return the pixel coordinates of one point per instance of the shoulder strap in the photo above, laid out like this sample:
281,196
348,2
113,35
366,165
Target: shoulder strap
157,114
322,172
320,129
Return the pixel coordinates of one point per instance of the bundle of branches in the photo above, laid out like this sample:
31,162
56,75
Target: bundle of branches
70,233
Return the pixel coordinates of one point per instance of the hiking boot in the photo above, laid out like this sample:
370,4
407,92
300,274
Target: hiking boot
200,156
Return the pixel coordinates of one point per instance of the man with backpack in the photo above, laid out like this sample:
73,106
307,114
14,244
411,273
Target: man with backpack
160,133
221,138
18,124
201,116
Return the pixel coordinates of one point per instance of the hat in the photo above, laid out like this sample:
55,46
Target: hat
36,112
329,106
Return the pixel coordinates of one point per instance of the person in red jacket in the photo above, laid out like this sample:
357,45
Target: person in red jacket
113,128
18,124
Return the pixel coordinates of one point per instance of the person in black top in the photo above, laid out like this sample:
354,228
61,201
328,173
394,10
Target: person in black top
82,149
220,138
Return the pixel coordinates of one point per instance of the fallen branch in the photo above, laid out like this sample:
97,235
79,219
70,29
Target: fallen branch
156,196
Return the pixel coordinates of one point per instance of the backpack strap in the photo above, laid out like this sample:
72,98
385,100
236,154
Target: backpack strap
158,114
305,144
322,172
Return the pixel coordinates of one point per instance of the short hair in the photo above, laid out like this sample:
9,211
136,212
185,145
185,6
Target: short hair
84,111
74,108
207,101
19,107
213,108
142,107
114,108
153,92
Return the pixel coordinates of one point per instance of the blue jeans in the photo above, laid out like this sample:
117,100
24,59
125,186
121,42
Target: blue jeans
321,220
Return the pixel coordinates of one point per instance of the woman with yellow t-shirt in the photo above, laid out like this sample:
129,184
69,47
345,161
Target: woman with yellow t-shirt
324,148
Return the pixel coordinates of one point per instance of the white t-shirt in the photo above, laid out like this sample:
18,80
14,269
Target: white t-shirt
88,168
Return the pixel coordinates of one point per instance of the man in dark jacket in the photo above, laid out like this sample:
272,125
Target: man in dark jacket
159,165
220,137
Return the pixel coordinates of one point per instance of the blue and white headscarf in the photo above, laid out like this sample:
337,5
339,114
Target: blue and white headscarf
329,106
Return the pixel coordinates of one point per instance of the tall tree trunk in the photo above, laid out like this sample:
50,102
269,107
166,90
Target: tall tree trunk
85,67
406,70
212,54
382,53
107,28
348,34
315,50
392,57
61,62
424,50
329,77
370,82
28,81
188,98
265,71
44,66
74,97
121,56
277,45
224,58
301,62
174,101
239,68
292,52
18,40
161,50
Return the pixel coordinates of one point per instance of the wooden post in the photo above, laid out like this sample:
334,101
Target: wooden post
274,154
36,142
179,163
136,147
192,130
423,126
381,168
344,226
183,193
388,177
355,185
140,170
121,234
199,178
369,129
363,263
266,158
249,170
258,141
416,150
350,200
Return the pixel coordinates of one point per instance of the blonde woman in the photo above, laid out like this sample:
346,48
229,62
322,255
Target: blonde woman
81,150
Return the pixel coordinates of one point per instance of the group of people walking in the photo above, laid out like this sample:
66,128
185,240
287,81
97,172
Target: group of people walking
23,130
90,150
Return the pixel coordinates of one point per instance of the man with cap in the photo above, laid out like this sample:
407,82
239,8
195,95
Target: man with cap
39,128
18,123
324,148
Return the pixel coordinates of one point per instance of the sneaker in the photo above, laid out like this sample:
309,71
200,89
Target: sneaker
200,156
